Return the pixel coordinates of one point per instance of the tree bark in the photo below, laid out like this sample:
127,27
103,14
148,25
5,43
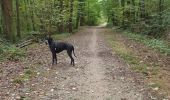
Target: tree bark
142,9
71,16
1,31
78,14
60,26
7,18
160,11
82,15
18,19
133,11
32,15
26,15
123,15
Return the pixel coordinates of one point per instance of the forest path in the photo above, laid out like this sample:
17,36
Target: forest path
98,74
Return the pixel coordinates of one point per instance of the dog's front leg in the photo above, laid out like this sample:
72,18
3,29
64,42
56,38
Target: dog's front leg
53,57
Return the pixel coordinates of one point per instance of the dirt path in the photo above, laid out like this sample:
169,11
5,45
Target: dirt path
98,75
95,84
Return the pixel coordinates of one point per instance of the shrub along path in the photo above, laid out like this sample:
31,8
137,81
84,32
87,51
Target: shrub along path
100,72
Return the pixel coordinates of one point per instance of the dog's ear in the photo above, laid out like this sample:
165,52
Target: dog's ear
50,38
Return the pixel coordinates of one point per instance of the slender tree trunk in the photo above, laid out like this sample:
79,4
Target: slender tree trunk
71,16
82,15
88,13
160,11
1,18
32,16
77,21
7,17
112,18
60,26
26,14
18,19
123,15
142,9
78,14
133,11
52,15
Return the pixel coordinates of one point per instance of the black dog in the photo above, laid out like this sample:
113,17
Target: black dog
57,47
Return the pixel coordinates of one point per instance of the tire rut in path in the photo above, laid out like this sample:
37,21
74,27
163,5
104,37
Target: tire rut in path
95,73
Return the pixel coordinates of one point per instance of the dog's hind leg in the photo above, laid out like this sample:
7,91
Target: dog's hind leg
69,52
54,58
74,52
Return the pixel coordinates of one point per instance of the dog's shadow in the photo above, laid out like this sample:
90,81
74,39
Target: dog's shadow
61,66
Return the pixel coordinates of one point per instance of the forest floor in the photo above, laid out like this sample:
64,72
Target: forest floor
100,72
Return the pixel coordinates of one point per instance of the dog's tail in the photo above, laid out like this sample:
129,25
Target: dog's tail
74,53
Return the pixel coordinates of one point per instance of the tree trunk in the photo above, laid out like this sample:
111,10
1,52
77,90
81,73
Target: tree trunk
133,13
32,16
60,26
112,18
7,18
123,15
142,9
160,11
18,19
26,14
82,17
78,20
71,16
78,14
1,18
88,13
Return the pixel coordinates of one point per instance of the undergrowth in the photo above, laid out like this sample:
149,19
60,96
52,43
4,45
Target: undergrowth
9,51
156,44
151,73
128,56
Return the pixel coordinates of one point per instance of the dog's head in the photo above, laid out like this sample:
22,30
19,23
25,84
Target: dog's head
48,40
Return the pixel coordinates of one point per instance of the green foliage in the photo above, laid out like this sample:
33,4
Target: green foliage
159,45
51,15
93,12
150,17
